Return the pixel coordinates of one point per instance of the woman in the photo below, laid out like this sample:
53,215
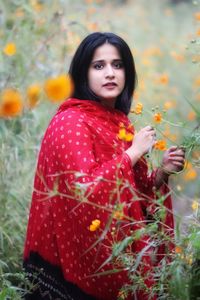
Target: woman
90,179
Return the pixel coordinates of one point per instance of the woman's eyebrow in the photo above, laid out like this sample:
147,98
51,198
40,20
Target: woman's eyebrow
102,60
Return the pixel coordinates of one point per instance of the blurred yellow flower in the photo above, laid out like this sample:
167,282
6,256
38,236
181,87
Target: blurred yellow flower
33,94
197,97
169,104
10,49
197,82
195,205
136,95
93,26
118,214
198,32
190,173
95,225
19,12
191,116
167,134
168,12
197,16
179,188
138,109
153,51
36,5
147,62
163,79
11,103
157,117
177,56
59,88
160,145
196,58
122,295
189,259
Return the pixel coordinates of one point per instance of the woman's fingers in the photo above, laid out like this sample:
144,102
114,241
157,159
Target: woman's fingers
177,158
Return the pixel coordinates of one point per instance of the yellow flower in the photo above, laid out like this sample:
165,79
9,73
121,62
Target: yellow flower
160,145
118,214
11,103
10,49
138,109
59,88
33,94
122,295
124,135
95,225
189,260
195,205
157,117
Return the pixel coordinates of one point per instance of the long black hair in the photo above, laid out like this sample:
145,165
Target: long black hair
81,61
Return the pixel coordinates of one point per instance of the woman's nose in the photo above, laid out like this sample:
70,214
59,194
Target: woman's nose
109,71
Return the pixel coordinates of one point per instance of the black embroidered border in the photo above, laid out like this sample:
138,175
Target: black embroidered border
48,282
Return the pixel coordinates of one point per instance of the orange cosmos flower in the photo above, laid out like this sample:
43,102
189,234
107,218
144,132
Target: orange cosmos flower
10,49
138,109
95,225
160,145
33,94
59,88
11,103
178,250
157,117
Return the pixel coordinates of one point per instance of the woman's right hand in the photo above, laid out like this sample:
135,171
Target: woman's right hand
143,141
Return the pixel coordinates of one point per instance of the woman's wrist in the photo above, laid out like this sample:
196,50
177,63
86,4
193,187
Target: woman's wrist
161,177
134,155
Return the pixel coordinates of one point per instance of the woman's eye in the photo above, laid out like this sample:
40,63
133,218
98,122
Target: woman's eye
98,66
118,65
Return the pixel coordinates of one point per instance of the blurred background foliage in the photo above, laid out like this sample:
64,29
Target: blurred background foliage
37,42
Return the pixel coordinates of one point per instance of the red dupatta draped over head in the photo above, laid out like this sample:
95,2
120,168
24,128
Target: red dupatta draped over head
84,178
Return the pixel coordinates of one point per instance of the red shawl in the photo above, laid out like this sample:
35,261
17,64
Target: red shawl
82,175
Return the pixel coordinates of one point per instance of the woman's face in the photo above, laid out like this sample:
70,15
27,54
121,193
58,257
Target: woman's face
106,74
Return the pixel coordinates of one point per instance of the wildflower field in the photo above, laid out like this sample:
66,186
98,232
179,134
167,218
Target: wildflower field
37,42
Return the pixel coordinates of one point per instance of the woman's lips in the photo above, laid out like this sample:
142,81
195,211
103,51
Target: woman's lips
110,85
